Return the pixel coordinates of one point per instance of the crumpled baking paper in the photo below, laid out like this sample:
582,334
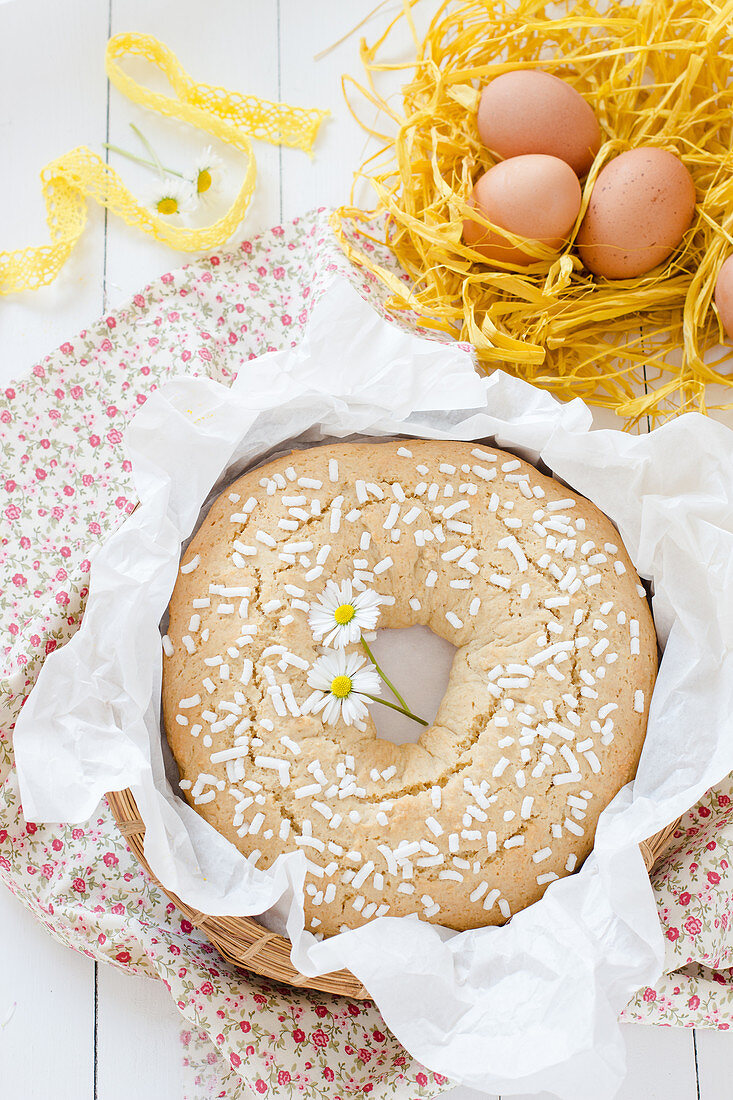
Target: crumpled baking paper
529,1006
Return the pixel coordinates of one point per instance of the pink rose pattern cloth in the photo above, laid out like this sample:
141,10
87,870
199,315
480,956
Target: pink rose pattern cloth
67,485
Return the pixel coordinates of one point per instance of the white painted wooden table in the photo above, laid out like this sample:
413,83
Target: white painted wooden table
78,1031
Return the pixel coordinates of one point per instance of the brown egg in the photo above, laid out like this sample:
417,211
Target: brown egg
529,111
724,296
642,204
534,196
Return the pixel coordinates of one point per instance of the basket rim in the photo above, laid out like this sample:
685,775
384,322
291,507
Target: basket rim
241,940
247,944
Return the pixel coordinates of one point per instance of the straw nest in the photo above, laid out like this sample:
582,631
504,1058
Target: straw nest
655,74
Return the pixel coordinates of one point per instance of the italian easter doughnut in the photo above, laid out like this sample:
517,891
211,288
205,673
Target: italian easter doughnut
267,687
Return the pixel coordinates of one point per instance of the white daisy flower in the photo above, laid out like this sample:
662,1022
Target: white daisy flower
208,175
340,616
342,686
172,197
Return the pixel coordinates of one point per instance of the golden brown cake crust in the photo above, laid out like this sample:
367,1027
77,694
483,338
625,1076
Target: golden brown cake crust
542,722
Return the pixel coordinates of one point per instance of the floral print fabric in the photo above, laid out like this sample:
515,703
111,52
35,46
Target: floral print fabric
67,485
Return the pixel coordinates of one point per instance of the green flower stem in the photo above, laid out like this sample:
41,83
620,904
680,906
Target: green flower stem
140,160
147,146
400,710
382,673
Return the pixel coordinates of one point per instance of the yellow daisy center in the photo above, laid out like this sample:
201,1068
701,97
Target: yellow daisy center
341,686
344,614
167,205
203,181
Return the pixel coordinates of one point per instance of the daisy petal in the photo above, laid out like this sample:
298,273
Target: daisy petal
332,631
361,679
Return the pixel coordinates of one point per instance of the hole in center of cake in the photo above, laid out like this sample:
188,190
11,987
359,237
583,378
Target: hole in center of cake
418,663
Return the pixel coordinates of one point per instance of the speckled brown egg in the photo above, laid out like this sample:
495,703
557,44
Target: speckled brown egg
642,204
529,111
536,196
724,296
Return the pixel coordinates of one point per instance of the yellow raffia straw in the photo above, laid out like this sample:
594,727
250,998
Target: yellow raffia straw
80,174
656,73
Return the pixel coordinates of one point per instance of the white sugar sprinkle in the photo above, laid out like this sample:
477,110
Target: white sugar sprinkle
500,767
557,601
307,791
194,701
394,511
202,799
479,891
323,554
362,875
510,543
491,899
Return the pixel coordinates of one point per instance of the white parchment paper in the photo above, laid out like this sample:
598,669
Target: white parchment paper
529,1006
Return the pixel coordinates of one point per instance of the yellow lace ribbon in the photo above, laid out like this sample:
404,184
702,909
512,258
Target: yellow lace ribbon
80,174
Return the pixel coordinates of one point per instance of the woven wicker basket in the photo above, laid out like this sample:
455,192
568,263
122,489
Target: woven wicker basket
247,944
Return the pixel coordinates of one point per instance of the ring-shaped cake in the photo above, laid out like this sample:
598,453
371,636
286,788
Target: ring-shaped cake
267,684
